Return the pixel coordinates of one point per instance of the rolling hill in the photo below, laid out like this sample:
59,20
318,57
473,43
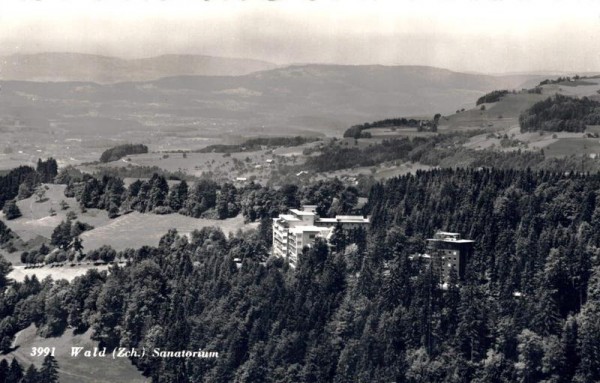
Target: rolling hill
59,66
75,121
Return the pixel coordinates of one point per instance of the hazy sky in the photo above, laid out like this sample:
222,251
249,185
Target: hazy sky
467,35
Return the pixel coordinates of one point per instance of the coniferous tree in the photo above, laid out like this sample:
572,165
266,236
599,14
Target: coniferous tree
5,269
15,372
589,333
11,210
31,375
178,195
472,330
49,371
159,189
546,320
569,348
338,238
531,353
47,170
4,368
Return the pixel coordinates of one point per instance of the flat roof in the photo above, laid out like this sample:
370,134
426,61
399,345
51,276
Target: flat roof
351,218
326,220
300,212
450,240
302,229
288,217
345,219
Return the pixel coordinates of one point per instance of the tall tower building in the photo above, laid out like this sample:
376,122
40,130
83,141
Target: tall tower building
449,251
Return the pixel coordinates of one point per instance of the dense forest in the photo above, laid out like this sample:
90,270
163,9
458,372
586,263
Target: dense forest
493,96
358,131
9,184
6,235
15,373
561,113
22,180
118,152
204,198
335,156
139,171
568,79
362,309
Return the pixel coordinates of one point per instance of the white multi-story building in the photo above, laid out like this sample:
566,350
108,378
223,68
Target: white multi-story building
299,228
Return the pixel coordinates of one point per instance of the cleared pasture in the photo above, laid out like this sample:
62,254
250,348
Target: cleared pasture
532,141
588,87
36,219
387,170
222,167
135,229
569,146
398,132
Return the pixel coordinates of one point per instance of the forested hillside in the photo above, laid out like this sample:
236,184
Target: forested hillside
561,113
361,310
23,179
443,150
493,96
118,152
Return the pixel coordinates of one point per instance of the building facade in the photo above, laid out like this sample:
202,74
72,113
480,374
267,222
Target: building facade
301,227
449,252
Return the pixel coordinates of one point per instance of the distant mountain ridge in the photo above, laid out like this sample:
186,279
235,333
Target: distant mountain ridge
319,98
64,67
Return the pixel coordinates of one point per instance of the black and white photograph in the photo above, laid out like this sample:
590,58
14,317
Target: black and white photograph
299,191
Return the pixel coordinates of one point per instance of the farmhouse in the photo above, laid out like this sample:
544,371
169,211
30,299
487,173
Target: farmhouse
301,227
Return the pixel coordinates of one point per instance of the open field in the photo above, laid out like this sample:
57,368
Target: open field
569,146
554,144
588,87
559,144
499,115
383,171
297,150
74,370
389,171
129,231
223,167
531,141
398,132
135,229
36,219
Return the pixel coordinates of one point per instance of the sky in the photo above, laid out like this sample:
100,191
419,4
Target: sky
485,36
